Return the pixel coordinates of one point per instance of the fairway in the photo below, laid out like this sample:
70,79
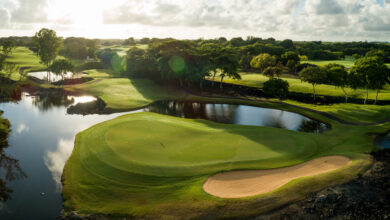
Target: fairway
122,93
24,58
143,164
296,85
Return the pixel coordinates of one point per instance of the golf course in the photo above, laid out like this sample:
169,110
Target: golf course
191,129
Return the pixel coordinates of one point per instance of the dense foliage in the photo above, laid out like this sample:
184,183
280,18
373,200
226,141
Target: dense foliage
79,48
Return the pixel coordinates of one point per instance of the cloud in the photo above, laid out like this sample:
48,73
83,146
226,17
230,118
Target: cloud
4,18
30,11
332,20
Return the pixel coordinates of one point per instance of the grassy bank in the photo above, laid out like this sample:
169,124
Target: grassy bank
4,130
24,58
296,85
152,165
123,93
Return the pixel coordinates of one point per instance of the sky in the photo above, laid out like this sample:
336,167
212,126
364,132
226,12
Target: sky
326,20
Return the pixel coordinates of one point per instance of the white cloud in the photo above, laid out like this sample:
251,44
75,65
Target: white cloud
297,19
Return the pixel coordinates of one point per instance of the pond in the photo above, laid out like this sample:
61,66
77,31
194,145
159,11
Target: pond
43,135
238,114
53,77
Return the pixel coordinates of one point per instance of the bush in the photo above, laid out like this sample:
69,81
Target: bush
276,88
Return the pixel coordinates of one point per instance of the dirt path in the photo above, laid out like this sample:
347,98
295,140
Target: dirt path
239,184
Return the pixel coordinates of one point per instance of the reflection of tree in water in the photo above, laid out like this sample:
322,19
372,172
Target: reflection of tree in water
178,109
9,167
223,113
9,90
198,110
312,126
53,98
275,121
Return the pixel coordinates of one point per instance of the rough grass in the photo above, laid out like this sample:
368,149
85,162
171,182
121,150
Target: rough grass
152,165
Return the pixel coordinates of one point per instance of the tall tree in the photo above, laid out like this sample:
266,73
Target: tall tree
338,76
61,67
262,61
48,45
314,76
228,64
370,72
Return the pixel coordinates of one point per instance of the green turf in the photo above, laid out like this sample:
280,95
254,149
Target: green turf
101,73
351,112
152,165
23,57
124,93
296,85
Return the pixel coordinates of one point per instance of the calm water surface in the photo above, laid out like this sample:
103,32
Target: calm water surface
43,134
53,77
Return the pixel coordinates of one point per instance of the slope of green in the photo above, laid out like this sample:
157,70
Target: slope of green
151,165
24,58
124,93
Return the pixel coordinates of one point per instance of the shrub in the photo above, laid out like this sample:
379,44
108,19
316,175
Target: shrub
276,88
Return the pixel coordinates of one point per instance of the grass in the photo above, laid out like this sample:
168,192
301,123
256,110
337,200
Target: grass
101,73
123,93
24,58
296,85
4,130
349,61
351,112
151,165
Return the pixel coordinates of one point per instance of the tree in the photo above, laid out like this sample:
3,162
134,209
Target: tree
370,72
276,87
228,64
314,76
48,45
287,44
290,55
338,76
273,71
62,67
7,46
129,42
262,61
245,61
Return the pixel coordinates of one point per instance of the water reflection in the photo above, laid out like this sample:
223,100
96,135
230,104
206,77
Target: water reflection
238,114
10,170
9,91
51,77
42,140
46,100
55,160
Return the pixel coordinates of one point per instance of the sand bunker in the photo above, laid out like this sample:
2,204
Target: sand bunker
238,184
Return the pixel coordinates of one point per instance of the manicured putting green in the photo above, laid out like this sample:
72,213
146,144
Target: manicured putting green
152,144
153,166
